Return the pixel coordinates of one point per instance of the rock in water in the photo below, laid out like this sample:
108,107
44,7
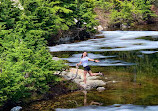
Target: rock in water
100,28
56,58
17,108
100,89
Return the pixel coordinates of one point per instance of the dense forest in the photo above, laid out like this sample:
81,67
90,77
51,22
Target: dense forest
26,65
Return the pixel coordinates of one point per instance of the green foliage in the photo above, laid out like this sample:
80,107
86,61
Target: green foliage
26,70
46,15
56,15
155,2
9,14
26,65
122,12
142,9
84,14
104,4
128,12
25,62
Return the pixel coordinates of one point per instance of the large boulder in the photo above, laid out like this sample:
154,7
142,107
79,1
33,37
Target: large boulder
78,78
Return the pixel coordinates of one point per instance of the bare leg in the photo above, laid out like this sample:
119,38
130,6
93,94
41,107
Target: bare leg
85,73
93,74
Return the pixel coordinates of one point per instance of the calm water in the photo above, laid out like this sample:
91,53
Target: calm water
129,61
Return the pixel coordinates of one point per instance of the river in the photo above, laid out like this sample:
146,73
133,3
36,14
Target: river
128,60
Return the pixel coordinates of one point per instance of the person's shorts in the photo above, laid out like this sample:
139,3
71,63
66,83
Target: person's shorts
87,68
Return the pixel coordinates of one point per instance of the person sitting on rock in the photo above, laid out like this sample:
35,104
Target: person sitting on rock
84,61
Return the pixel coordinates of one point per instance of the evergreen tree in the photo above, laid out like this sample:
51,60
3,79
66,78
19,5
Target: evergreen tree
128,12
9,14
56,15
25,62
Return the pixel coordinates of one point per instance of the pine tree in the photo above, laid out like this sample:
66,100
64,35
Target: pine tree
25,62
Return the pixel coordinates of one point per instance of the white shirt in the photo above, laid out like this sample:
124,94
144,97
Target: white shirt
84,61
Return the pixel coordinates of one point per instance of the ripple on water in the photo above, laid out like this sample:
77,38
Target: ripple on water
105,60
148,52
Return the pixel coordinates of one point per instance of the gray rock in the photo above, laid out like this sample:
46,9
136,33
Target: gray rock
106,78
112,81
92,77
94,83
124,26
69,74
65,39
78,77
64,73
117,105
17,108
66,77
100,89
78,80
56,58
100,28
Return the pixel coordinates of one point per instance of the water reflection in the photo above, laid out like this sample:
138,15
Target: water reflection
92,102
85,97
97,106
135,74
